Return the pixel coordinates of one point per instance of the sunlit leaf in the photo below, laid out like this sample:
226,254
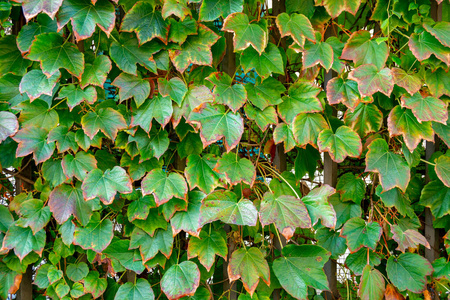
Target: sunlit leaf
105,185
366,118
164,186
94,285
360,233
199,172
409,271
210,10
236,169
158,108
371,80
442,168
180,280
206,247
335,8
410,82
300,267
224,205
286,212
108,120
8,125
340,144
344,91
85,15
362,49
423,44
234,96
139,290
249,265
409,238
265,93
392,168
35,83
306,128
372,284
245,33
32,8
264,63
297,26
319,207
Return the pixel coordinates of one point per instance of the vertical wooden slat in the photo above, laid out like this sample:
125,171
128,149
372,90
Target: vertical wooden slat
330,178
25,291
431,234
229,67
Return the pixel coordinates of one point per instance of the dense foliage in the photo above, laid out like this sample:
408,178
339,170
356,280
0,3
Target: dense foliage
152,133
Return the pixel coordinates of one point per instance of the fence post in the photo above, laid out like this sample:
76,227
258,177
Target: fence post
25,291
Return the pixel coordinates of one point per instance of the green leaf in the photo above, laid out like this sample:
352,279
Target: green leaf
439,31
442,168
286,212
264,63
35,83
180,30
62,289
11,60
284,133
297,26
330,239
262,118
210,10
164,186
96,235
366,118
403,122
396,198
300,267
223,205
139,290
8,125
443,131
146,22
53,173
175,7
189,220
126,53
393,169
410,82
77,272
175,88
85,14
371,80
318,52
358,260
245,34
23,241
149,246
151,145
41,278
249,265
64,139
132,86
105,185
302,99
423,44
32,8
95,285
139,208
131,259
409,271
158,108
180,280
265,93
306,161
9,84
54,53
351,188
234,96
343,91
215,123
79,165
195,50
436,196
426,108
409,238
441,268
362,49
32,29
33,215
108,120
96,73
54,275
372,284
306,128
319,207
335,8
153,221
344,142
34,140
206,247
236,169
361,234
199,172
6,219
66,200
77,290
75,95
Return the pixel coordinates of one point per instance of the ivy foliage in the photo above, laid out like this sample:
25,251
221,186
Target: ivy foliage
175,146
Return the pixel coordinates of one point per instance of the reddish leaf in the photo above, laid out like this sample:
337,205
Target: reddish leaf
371,80
362,49
426,108
410,82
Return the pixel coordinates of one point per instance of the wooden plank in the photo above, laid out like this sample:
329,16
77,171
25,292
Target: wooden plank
25,291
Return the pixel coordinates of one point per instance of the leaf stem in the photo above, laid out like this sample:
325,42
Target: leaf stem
427,162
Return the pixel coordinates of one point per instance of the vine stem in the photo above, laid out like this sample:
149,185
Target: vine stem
427,162
282,178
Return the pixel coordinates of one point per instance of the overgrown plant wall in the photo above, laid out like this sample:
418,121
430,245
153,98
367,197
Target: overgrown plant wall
137,164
